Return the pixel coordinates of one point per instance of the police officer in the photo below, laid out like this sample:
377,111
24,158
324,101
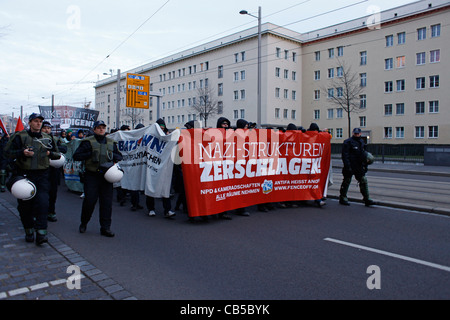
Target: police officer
99,153
32,150
355,163
54,173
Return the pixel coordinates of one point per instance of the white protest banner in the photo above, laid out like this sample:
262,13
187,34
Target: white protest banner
147,162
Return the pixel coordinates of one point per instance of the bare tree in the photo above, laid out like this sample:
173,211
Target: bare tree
134,115
346,89
206,105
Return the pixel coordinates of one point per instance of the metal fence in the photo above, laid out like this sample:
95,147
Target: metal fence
413,153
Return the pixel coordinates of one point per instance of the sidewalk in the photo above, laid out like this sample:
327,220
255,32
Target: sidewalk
28,272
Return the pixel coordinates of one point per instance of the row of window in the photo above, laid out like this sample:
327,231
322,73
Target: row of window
420,32
286,54
203,66
286,113
419,132
331,53
433,107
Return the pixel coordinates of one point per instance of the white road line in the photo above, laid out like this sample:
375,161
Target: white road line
390,254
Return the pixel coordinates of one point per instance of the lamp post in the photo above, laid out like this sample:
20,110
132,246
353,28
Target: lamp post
258,116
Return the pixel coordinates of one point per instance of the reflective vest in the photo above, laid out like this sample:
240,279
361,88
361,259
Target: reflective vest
101,153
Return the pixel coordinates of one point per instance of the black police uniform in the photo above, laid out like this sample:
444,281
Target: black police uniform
97,151
33,212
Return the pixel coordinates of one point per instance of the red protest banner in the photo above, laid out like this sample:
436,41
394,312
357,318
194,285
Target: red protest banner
230,169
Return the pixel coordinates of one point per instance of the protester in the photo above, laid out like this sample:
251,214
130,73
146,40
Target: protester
54,174
355,163
80,134
242,124
4,138
134,194
99,153
224,123
122,193
32,151
150,201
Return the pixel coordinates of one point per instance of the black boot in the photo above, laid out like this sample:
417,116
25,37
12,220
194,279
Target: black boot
364,188
41,237
29,235
343,191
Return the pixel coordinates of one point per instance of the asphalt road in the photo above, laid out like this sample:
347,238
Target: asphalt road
334,252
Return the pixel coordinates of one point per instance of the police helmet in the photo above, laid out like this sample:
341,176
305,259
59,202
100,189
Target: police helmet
369,157
58,163
114,174
21,188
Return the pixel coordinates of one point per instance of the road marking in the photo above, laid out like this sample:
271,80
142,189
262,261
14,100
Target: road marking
390,254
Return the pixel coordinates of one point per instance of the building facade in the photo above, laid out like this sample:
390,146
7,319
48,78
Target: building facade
398,59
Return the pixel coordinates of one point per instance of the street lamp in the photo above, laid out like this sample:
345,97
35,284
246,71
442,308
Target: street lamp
258,116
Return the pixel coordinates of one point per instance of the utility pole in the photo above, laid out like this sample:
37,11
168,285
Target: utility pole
118,100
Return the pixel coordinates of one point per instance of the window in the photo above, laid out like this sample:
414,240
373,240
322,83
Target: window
317,75
339,113
339,132
420,83
340,71
340,51
316,94
294,57
420,107
330,73
388,87
331,53
236,95
434,81
286,74
236,114
243,56
285,113
243,75
286,93
330,113
220,89
277,113
420,58
362,121
294,75
363,77
421,33
339,92
435,56
331,93
317,55
388,64
236,59
362,101
400,108
419,132
401,85
433,106
399,132
388,132
294,95
433,132
401,38
277,92
278,51
389,40
242,113
277,72
363,58
220,72
293,114
435,30
316,114
388,109
286,54
242,94
400,62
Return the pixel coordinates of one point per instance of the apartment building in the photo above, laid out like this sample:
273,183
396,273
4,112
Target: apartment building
398,58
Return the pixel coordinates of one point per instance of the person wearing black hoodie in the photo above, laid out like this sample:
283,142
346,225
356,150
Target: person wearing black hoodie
242,124
314,127
223,123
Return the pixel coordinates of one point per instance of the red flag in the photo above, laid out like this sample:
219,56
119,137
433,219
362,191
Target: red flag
3,127
19,126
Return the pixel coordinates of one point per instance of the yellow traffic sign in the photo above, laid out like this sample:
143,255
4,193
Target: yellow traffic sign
138,89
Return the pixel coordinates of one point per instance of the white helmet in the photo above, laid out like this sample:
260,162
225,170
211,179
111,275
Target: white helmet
58,163
114,174
22,188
